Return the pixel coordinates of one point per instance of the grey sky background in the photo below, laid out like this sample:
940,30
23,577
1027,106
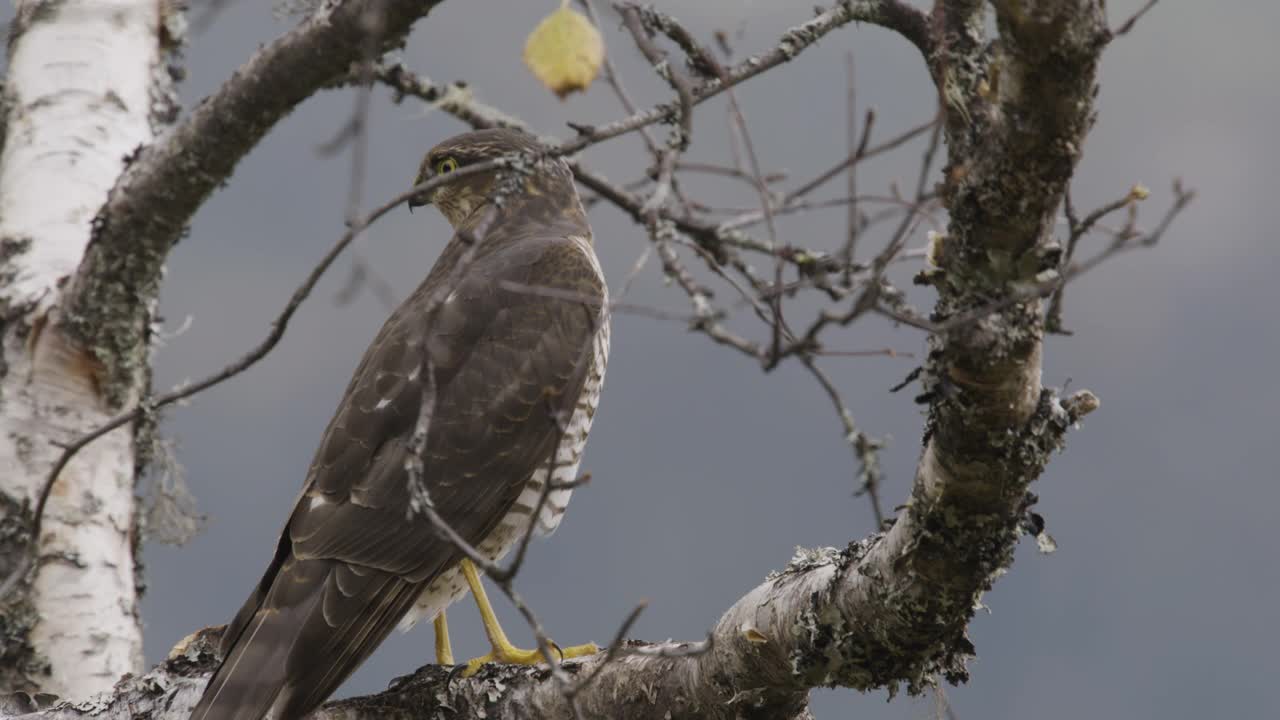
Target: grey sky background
708,473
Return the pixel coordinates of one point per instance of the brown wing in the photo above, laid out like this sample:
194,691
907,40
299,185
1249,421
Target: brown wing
351,561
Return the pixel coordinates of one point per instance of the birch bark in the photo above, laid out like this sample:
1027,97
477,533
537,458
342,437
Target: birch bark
85,88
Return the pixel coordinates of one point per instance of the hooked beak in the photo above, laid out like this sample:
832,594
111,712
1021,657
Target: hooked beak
423,198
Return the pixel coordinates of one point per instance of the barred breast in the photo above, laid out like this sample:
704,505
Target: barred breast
450,585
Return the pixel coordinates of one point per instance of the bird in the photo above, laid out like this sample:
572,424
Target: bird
497,361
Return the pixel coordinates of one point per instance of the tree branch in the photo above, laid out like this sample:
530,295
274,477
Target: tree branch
167,182
859,617
891,14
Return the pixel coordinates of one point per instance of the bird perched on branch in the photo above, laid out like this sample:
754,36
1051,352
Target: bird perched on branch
496,362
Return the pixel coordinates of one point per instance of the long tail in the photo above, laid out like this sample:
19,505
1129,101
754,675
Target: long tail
299,636
252,678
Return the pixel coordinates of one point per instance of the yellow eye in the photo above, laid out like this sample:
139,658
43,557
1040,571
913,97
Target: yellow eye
446,165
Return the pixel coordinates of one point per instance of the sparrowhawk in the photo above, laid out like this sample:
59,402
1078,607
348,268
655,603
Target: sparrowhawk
506,340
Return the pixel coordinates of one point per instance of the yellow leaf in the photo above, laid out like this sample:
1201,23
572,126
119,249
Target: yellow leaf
564,51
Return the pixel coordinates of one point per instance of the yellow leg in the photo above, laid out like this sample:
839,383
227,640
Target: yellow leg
503,650
444,651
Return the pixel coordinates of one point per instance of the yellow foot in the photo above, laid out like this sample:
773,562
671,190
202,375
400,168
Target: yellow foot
512,655
444,651
503,651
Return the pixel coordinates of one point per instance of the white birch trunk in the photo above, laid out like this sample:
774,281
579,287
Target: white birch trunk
83,79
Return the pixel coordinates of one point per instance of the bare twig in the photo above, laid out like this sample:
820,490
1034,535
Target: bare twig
731,172
1123,242
714,237
365,274
747,217
707,318
1076,229
865,450
1127,25
681,135
856,148
909,220
612,77
877,149
893,14
651,20
356,131
761,187
661,230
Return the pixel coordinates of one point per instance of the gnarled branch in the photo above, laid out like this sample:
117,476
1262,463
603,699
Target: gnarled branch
168,181
885,612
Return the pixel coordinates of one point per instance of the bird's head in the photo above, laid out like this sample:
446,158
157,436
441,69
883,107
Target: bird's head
460,199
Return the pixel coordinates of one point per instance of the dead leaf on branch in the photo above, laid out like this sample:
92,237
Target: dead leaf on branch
564,51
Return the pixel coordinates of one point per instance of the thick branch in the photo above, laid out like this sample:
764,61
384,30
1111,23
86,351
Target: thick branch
858,617
168,181
1018,111
1017,115
1016,137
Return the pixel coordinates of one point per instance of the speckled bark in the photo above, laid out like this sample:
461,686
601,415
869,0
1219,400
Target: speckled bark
167,182
84,86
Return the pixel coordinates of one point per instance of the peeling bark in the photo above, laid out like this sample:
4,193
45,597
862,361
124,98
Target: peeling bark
80,95
167,182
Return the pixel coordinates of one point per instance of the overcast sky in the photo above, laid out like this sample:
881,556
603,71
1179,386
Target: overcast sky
708,473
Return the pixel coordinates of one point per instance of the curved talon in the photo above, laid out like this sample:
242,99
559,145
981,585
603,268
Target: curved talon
502,649
474,664
512,655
